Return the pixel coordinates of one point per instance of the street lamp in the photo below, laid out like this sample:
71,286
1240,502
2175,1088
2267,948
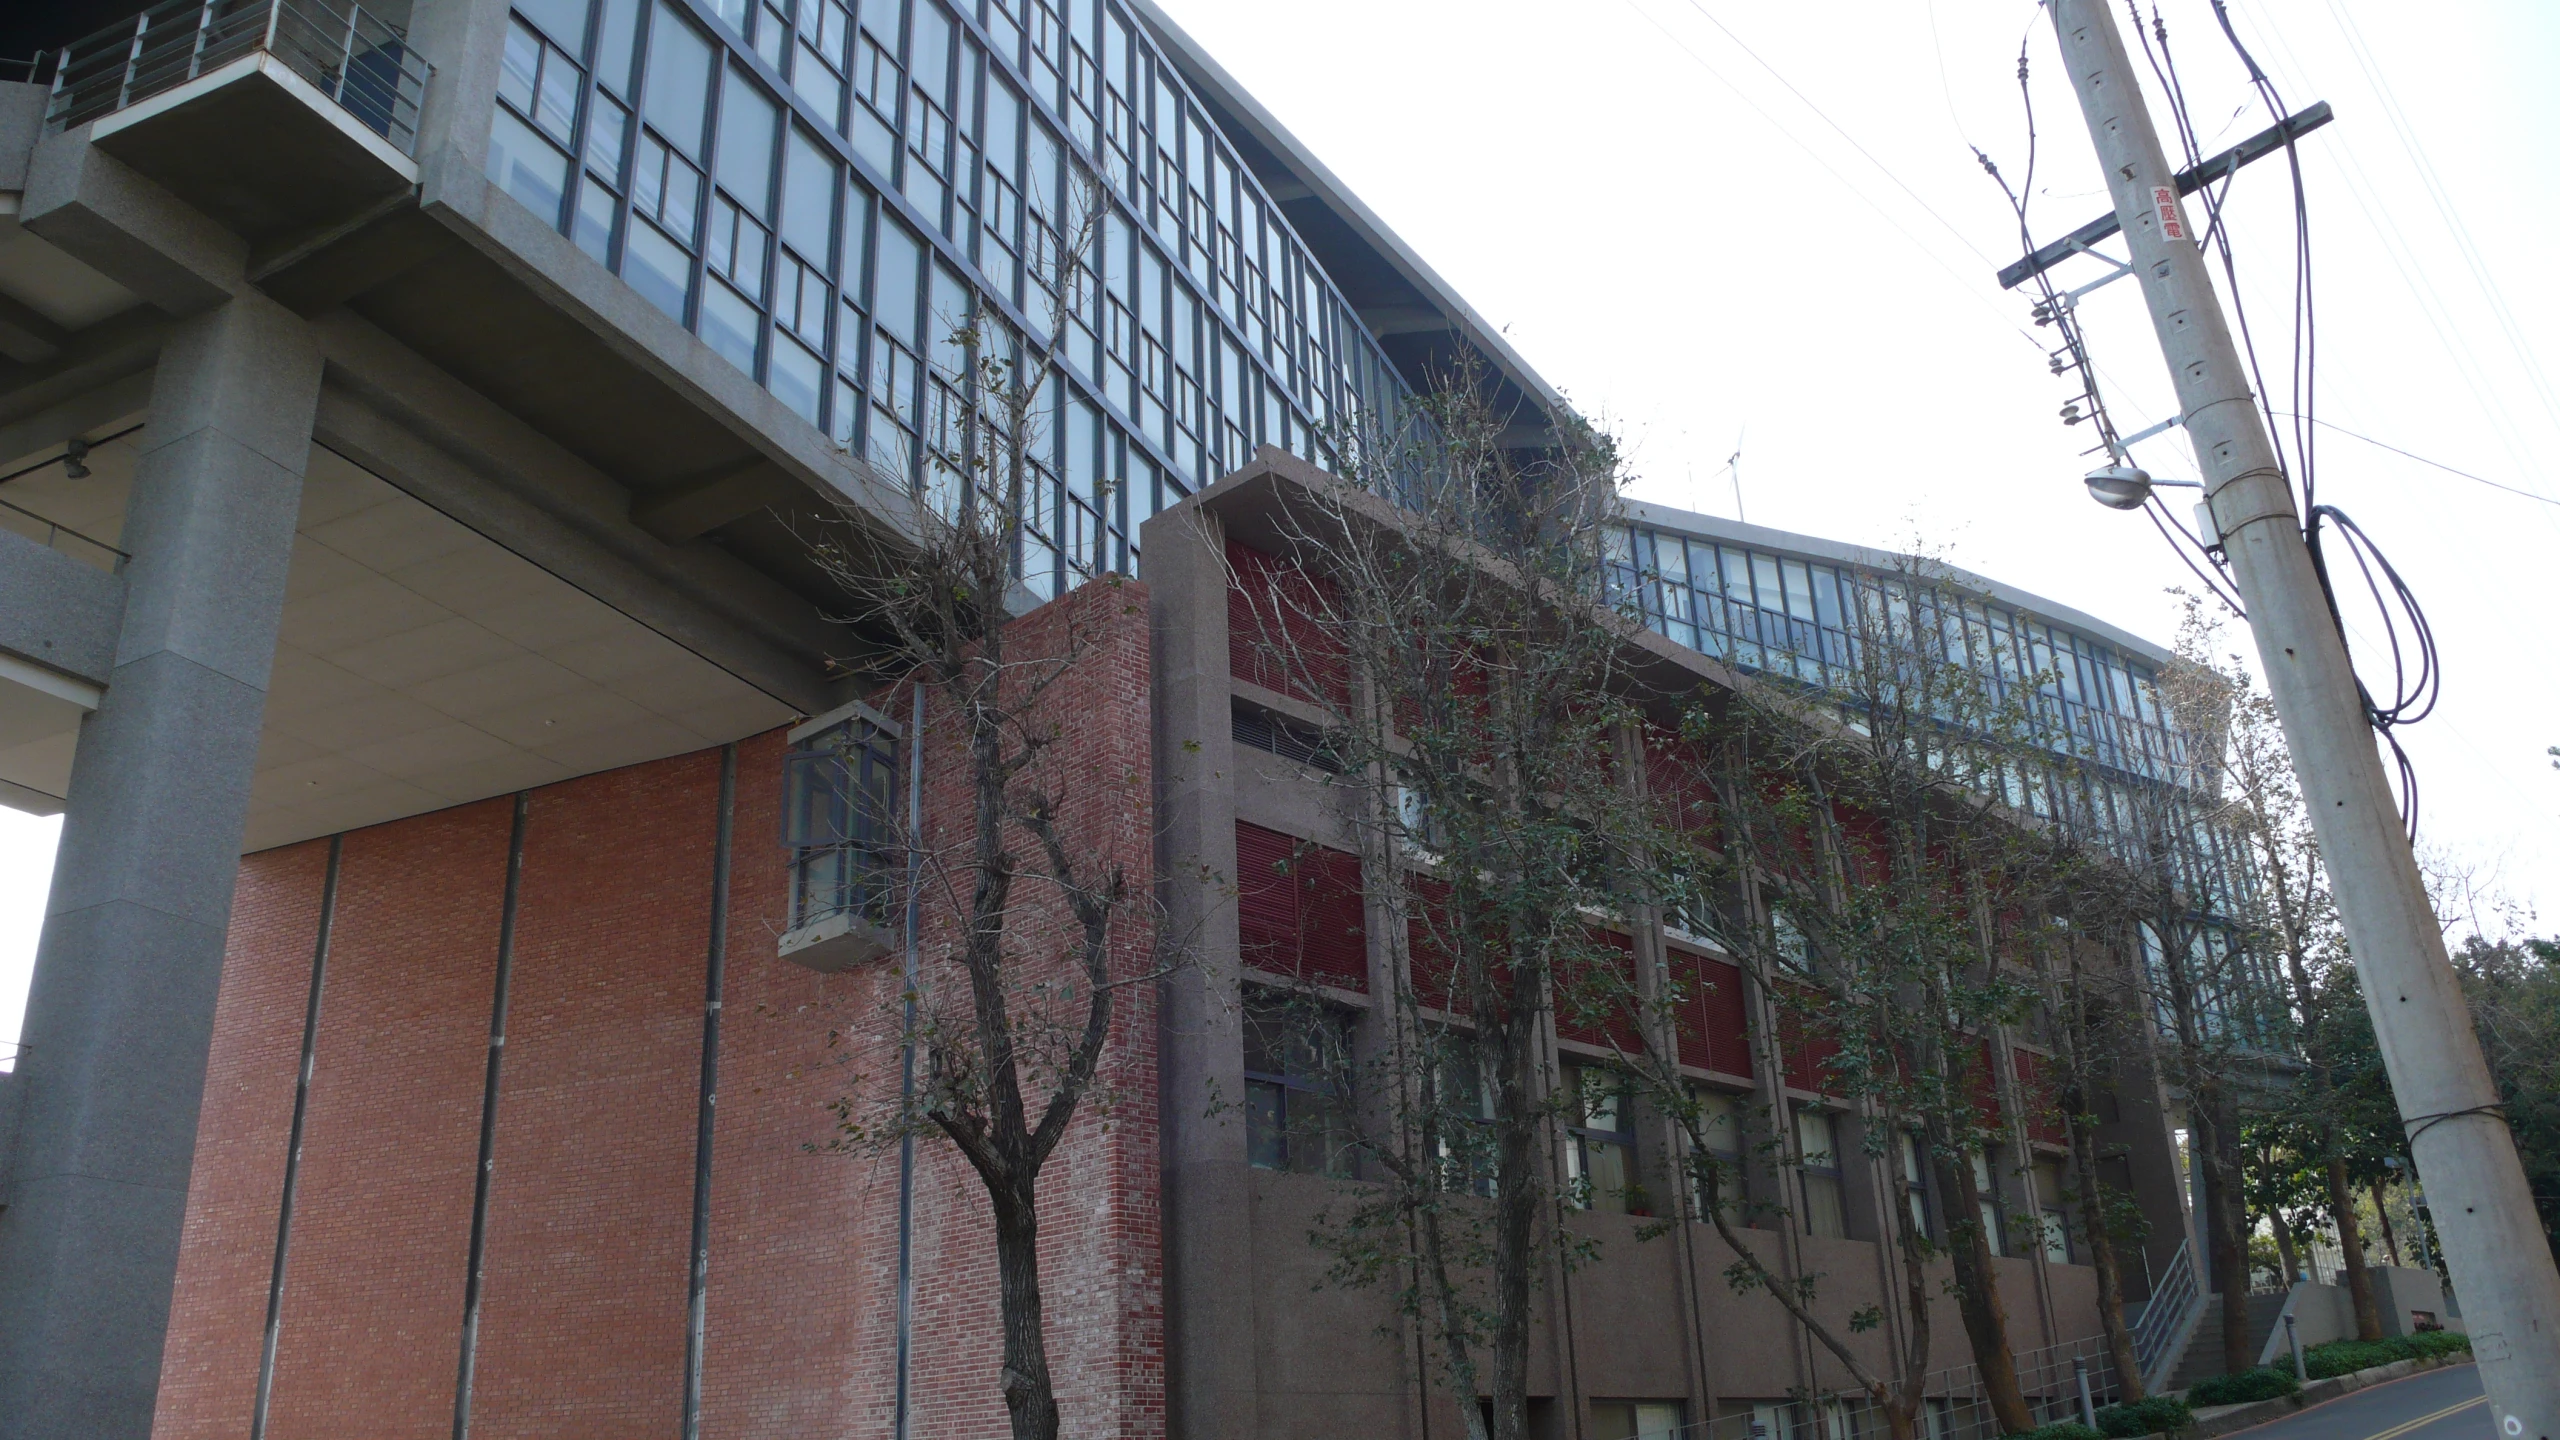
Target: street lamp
2125,487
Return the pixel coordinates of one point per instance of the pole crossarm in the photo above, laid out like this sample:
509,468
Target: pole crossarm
2266,142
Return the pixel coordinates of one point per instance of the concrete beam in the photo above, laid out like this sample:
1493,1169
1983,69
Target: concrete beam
26,336
21,125
398,415
318,272
103,375
705,505
94,208
56,611
1386,320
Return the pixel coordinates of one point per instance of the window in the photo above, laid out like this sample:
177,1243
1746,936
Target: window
1294,1118
2057,1224
1635,1419
1465,1102
838,821
1720,1127
1262,730
1794,952
1915,1175
1818,1135
1600,1143
1989,1203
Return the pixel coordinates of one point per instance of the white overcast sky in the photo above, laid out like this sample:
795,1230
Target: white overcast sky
1715,222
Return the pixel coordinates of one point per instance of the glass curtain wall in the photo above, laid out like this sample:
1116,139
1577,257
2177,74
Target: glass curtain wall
828,192
2123,771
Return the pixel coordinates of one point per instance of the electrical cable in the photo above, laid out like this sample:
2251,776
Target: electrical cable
1916,196
2416,663
2054,308
2435,464
1846,183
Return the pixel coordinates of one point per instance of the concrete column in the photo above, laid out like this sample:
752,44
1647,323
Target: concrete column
121,1013
1212,1391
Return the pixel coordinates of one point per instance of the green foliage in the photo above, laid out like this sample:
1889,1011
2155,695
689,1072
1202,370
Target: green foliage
2514,989
2156,1415
2346,1357
2264,1383
2060,1430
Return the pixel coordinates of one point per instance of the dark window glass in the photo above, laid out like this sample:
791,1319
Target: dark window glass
1295,1057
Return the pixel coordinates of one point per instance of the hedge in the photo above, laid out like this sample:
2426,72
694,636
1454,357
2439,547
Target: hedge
2264,1383
2159,1414
2345,1357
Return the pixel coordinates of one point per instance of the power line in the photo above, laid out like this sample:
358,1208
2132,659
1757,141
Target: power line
2421,459
1850,185
1826,119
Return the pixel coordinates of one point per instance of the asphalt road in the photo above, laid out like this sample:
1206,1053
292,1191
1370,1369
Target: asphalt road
2437,1405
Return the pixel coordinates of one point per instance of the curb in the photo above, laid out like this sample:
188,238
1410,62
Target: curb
2225,1419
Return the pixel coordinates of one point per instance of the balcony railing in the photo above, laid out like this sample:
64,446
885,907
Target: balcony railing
355,58
63,538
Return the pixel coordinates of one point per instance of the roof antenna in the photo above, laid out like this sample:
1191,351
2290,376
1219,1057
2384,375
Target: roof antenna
1733,466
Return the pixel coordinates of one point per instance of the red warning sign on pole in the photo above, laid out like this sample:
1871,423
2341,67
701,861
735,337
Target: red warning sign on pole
2165,199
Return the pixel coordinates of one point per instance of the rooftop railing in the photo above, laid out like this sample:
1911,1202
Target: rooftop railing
355,58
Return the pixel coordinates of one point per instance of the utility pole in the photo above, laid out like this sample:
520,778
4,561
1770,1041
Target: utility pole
2493,1240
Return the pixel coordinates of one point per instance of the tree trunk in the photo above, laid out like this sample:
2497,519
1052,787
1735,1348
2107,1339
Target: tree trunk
2102,1256
1986,1320
2286,1255
2342,1211
1028,1395
2227,1218
1515,1204
2382,1212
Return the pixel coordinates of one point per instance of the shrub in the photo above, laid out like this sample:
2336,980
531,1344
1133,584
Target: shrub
2153,1416
2345,1357
2264,1383
2059,1430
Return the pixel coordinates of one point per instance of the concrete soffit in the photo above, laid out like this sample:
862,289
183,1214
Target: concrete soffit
399,416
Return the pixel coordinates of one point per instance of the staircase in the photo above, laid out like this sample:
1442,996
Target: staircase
2203,1359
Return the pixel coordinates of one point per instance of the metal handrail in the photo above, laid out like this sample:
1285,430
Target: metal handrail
2174,1301
55,532
360,61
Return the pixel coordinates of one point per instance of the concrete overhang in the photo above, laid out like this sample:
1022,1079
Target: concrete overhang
258,149
421,664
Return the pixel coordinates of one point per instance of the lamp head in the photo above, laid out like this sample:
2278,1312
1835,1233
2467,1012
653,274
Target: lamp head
2120,487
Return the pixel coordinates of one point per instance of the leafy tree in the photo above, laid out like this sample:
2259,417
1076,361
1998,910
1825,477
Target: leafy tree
2514,989
1436,605
1865,870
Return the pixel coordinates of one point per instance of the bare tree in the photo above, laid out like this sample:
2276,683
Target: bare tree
1030,909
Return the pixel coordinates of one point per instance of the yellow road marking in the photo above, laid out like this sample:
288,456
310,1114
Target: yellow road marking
2396,1431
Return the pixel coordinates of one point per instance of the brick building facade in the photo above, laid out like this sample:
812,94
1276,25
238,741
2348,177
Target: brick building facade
413,425
1185,1293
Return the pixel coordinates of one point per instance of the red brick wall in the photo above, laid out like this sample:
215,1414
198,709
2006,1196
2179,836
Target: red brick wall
218,1313
584,1308
582,1319
382,1213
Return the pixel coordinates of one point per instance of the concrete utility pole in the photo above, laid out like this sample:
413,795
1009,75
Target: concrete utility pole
2493,1240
